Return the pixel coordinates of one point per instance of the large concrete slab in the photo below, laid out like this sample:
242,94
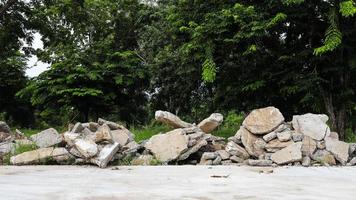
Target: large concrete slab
176,182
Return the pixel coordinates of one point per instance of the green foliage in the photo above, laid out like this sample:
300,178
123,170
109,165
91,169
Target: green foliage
347,8
209,70
146,132
233,120
292,2
333,36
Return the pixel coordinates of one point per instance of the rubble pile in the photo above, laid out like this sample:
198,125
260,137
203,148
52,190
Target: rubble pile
264,139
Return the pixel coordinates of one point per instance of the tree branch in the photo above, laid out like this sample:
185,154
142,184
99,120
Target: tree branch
7,5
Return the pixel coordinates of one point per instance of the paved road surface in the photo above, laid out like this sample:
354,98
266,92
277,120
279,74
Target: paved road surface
176,183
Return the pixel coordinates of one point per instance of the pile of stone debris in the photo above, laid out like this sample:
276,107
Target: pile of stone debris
264,139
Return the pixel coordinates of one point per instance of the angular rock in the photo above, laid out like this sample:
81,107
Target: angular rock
352,148
93,126
352,162
74,151
78,127
103,134
270,136
105,155
296,136
47,138
276,145
248,140
40,155
263,120
223,154
236,150
209,156
324,157
201,143
311,125
306,161
112,125
171,119
6,147
143,160
309,146
70,137
284,136
87,148
259,162
236,159
338,148
217,161
24,142
62,156
4,127
334,135
122,136
169,146
206,162
211,123
290,154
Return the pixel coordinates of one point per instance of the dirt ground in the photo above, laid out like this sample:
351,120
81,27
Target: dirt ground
176,183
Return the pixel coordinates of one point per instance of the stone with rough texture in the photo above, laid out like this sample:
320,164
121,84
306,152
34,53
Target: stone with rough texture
78,127
259,162
236,150
122,136
248,140
193,149
40,155
276,145
334,135
62,156
338,148
70,137
6,147
112,125
291,153
306,161
209,156
103,134
263,120
270,136
311,125
4,127
217,161
171,119
211,123
169,146
309,146
223,154
352,162
236,159
324,157
105,155
143,160
87,148
352,148
296,136
284,136
47,138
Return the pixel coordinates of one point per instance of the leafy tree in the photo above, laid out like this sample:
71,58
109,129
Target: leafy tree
15,29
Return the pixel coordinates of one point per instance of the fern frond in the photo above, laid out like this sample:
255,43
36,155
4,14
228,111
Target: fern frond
209,70
333,36
347,8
